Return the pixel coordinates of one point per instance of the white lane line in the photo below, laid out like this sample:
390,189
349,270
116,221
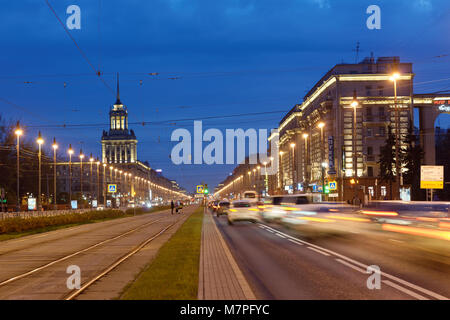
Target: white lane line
270,231
280,235
319,251
404,290
296,242
387,275
262,227
351,266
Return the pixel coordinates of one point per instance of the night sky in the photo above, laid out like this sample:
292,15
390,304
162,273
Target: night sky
224,57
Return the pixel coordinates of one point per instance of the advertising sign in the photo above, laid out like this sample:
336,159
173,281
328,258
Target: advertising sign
94,203
431,177
74,204
31,203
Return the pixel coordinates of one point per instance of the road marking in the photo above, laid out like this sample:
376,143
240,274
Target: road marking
351,266
319,251
394,240
387,275
262,227
270,230
280,235
296,242
404,290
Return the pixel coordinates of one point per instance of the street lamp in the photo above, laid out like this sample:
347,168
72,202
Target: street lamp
81,175
321,125
55,147
292,145
18,132
97,195
91,161
104,185
266,185
40,142
281,173
398,174
305,158
70,151
354,104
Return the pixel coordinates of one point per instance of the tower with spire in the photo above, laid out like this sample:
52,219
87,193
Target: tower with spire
119,144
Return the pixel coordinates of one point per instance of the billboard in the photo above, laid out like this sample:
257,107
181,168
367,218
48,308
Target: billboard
432,177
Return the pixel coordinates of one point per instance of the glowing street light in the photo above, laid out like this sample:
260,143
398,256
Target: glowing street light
398,173
55,147
40,142
81,175
70,152
18,132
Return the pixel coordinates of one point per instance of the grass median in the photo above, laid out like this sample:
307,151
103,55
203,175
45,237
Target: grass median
173,274
12,228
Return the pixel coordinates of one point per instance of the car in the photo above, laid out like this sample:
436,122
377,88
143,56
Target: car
223,207
243,210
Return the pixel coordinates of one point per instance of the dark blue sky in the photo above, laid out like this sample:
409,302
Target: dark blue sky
231,57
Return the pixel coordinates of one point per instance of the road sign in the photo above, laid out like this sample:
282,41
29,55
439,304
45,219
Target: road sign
112,188
432,177
332,185
200,188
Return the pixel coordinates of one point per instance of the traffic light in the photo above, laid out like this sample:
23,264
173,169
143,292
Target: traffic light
205,189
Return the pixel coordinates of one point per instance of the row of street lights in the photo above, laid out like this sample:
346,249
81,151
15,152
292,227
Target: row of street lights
40,141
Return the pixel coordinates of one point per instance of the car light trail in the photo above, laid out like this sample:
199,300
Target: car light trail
429,233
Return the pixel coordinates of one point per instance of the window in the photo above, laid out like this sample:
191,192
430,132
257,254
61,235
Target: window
370,171
113,122
369,151
381,111
369,111
382,131
383,191
117,123
368,88
123,122
369,132
380,91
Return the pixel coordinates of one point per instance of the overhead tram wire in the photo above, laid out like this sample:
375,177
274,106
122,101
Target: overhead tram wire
159,122
97,72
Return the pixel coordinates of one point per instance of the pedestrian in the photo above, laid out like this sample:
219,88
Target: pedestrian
172,206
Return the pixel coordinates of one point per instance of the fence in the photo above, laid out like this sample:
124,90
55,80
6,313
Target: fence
49,213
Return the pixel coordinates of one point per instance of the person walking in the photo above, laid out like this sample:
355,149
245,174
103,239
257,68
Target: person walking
172,206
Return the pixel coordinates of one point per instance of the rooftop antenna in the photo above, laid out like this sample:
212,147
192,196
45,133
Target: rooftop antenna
357,50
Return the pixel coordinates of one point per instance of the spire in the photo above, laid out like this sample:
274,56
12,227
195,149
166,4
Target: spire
118,93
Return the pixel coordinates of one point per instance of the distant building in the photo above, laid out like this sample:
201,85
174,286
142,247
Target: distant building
119,144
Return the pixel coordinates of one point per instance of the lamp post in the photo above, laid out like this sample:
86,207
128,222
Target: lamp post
18,133
81,175
40,141
324,166
55,147
254,178
266,185
398,173
280,170
259,169
70,151
321,125
97,194
249,178
292,145
354,104
91,161
104,185
305,158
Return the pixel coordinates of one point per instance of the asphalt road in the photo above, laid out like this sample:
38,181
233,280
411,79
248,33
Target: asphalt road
91,247
280,265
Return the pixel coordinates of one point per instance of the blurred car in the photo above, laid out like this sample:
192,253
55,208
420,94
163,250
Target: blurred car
243,210
223,207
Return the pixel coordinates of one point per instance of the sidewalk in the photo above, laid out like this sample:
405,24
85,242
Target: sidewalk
220,277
